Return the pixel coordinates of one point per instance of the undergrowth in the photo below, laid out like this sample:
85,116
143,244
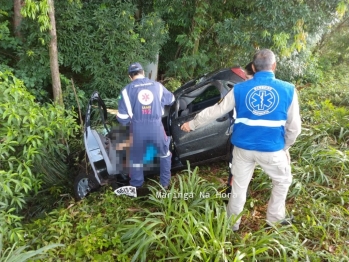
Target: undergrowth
189,223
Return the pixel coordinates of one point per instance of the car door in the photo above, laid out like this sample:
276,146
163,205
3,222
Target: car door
208,142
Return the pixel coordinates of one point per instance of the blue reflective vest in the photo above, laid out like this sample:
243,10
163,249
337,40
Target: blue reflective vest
262,104
143,100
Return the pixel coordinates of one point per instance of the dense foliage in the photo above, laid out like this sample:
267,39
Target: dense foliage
209,34
31,134
98,39
189,223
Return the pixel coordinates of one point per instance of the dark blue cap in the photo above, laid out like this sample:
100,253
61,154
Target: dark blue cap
135,67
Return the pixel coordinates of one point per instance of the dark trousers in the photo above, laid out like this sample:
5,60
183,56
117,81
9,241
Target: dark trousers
145,134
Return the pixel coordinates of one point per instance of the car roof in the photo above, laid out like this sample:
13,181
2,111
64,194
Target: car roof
233,74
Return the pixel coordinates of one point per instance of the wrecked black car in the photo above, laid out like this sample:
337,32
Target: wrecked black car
207,144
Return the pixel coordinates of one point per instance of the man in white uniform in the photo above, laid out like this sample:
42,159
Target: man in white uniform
267,124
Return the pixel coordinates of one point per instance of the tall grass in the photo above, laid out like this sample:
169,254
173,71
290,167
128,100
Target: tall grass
185,223
19,254
174,229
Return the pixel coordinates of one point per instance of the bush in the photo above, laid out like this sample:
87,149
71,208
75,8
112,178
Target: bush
88,229
30,134
99,39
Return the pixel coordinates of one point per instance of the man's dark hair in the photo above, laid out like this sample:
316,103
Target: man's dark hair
132,74
249,69
263,60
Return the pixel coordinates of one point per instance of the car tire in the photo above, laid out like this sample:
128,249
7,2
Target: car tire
83,185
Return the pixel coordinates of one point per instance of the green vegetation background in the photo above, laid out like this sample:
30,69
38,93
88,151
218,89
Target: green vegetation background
41,149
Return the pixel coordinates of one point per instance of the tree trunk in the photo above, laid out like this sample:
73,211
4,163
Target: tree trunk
56,82
17,18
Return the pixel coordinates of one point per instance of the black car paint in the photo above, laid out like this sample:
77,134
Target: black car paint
209,143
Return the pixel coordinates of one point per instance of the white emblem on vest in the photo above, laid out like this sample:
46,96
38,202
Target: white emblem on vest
145,97
262,100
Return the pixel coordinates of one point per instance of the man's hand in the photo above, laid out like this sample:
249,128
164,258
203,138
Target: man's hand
185,127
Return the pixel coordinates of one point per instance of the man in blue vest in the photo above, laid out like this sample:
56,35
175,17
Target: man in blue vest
267,124
141,106
249,73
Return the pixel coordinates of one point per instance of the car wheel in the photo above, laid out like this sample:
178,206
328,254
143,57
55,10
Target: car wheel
83,185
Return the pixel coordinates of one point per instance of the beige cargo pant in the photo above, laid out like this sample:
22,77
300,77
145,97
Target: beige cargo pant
276,165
